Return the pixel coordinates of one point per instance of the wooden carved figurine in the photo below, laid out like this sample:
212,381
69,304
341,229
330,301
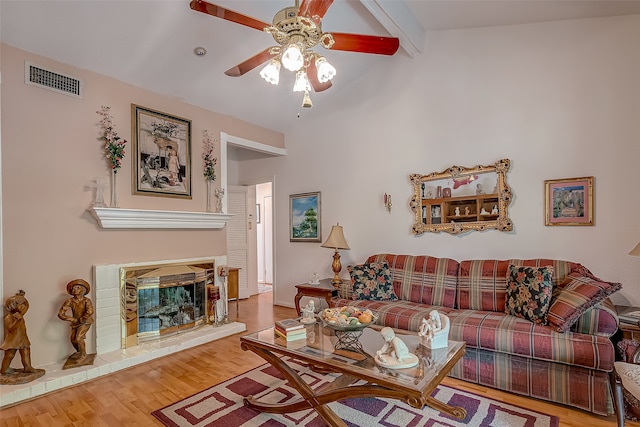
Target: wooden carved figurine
17,341
78,310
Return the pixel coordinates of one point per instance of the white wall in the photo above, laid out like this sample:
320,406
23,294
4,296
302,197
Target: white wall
559,99
50,153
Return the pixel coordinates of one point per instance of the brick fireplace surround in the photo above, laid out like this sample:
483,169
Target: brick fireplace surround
108,340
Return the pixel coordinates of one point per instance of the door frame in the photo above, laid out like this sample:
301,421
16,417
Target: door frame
225,140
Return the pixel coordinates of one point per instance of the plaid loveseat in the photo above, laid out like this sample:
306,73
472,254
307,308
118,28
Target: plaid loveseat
504,351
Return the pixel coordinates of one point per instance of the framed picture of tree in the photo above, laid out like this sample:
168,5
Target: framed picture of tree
304,217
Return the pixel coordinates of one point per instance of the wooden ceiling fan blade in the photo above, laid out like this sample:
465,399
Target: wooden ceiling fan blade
229,15
312,76
250,64
314,9
365,44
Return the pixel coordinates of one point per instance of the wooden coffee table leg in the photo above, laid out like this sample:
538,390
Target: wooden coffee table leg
455,411
306,392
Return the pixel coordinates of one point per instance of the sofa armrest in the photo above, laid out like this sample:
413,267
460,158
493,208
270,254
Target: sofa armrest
601,319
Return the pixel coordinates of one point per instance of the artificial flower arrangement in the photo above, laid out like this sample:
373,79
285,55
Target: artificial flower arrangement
113,144
209,168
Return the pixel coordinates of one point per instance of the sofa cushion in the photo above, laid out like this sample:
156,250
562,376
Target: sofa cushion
529,292
575,295
398,314
498,331
422,279
372,281
482,283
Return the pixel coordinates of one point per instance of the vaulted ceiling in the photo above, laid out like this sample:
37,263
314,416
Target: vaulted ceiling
150,44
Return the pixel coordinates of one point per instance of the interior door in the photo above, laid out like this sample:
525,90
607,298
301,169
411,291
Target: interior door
241,237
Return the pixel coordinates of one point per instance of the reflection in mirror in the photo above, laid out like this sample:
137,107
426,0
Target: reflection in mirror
461,199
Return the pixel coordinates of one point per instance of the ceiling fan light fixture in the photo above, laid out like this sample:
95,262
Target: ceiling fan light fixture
326,71
302,82
292,57
271,73
306,101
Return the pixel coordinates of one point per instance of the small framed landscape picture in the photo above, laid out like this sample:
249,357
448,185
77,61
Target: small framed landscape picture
569,201
162,150
304,217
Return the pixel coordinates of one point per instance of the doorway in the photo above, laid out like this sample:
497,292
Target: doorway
234,151
264,240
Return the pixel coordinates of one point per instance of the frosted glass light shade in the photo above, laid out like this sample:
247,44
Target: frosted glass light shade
271,73
326,71
302,82
292,58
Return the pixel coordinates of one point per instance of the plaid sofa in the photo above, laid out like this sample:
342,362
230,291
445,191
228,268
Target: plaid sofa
503,351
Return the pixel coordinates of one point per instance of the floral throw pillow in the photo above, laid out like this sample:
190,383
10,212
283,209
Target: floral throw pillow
372,281
529,291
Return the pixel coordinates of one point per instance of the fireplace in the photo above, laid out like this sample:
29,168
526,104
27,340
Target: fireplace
164,300
144,301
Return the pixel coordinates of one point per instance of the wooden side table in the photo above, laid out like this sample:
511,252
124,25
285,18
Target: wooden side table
629,331
322,290
232,286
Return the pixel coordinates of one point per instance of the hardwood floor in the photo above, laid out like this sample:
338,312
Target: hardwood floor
126,398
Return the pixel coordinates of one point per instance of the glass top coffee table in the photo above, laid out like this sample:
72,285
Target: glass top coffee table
360,376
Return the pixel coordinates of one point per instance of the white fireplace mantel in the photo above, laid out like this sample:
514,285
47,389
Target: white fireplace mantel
141,218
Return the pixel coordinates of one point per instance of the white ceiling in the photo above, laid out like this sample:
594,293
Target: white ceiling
149,43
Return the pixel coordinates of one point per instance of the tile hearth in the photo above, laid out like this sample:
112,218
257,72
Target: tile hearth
106,363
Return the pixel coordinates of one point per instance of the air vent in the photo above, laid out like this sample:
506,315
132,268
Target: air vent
47,79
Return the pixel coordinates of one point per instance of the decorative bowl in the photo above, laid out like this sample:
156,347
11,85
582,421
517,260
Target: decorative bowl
342,318
347,328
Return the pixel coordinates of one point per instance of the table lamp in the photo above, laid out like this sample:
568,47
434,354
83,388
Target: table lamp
336,241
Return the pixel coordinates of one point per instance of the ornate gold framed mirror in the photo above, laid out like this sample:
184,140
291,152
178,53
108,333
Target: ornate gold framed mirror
461,199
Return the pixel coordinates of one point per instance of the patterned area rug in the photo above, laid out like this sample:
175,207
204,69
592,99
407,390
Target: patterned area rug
221,405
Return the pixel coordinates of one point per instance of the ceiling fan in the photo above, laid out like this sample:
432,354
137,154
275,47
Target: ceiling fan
297,29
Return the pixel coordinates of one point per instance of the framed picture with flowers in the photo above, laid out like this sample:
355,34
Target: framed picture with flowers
162,150
569,201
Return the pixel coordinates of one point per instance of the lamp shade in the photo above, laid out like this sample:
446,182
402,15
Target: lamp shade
635,251
336,239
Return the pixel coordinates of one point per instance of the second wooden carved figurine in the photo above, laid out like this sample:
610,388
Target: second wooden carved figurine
78,310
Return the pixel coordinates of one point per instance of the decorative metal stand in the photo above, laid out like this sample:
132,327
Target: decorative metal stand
225,303
349,340
214,297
